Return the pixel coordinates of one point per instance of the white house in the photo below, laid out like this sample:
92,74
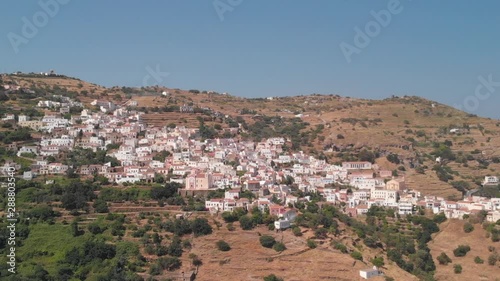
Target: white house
282,224
405,208
357,165
370,272
232,193
490,180
27,149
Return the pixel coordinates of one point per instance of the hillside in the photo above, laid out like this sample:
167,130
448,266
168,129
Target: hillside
150,226
449,238
337,128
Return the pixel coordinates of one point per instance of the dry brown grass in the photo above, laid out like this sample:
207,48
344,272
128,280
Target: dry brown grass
452,235
248,260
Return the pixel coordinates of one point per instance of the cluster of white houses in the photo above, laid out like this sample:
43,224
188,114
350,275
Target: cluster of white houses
260,167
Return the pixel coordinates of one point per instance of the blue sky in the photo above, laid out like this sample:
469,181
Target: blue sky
258,48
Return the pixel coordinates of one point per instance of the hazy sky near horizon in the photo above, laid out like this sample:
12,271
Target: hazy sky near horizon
448,51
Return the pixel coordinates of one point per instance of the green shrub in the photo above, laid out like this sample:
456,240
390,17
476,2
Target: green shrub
443,259
461,250
357,255
370,242
170,263
378,261
267,241
468,227
296,231
246,222
272,277
223,246
457,269
492,259
311,244
478,260
279,247
341,247
439,218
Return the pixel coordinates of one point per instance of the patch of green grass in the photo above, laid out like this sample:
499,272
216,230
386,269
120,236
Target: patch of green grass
55,239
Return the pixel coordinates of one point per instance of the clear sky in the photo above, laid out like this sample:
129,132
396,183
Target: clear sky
259,48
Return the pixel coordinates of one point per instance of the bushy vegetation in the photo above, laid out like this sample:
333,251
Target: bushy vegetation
357,255
272,277
279,247
275,126
461,250
341,247
296,231
79,156
468,227
478,260
443,259
492,259
21,134
198,226
311,244
267,241
223,246
457,268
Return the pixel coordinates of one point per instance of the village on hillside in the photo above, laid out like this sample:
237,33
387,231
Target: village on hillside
147,154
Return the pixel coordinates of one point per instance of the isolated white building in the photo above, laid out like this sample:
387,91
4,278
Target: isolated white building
370,272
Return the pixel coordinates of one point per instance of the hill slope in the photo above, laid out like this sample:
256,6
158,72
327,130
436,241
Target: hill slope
337,128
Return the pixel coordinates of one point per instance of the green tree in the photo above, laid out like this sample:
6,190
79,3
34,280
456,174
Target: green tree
267,241
175,247
461,250
169,263
94,228
246,222
75,231
468,227
439,218
100,206
366,155
229,216
200,226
